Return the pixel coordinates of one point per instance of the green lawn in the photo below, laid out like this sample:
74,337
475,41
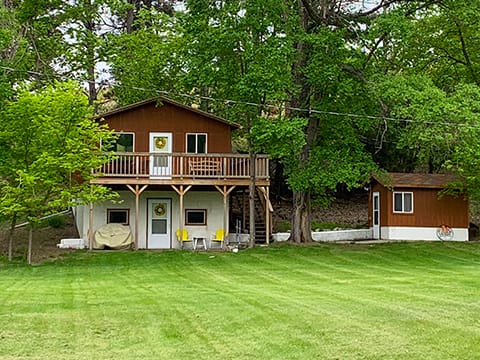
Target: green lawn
385,301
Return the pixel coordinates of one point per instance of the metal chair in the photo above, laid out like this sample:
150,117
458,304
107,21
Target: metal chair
184,238
219,237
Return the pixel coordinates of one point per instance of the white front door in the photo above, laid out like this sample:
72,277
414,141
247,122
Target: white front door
376,215
160,155
159,223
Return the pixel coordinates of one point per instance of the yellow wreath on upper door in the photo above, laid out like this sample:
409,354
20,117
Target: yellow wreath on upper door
160,142
159,210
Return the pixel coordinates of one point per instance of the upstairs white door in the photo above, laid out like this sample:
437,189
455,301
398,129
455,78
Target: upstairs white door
160,155
376,215
159,223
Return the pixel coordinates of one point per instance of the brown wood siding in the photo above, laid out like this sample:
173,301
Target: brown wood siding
170,118
428,209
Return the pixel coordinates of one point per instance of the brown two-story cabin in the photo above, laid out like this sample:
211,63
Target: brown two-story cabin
174,171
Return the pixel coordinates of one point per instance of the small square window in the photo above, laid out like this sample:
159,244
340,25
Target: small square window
118,216
122,142
195,217
403,202
197,143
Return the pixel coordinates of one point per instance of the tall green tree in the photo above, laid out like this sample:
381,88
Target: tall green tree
239,51
424,57
50,145
147,60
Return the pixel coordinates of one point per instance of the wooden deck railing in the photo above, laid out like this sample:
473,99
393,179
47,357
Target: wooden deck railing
181,165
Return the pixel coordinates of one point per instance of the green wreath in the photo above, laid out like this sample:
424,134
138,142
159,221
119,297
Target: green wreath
159,210
160,142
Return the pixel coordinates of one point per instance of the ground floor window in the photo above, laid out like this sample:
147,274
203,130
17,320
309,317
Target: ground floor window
195,217
403,202
118,216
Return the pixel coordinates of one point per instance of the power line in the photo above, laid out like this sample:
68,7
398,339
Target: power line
248,103
311,111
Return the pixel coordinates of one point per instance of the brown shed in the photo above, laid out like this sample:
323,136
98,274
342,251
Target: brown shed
406,206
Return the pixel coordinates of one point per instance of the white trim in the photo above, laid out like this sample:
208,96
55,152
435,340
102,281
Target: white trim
376,226
403,202
419,233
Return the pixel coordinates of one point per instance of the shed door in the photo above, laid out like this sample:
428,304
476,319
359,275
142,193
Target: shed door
376,215
160,155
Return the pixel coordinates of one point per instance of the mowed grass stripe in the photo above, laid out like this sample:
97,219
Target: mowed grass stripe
322,302
415,315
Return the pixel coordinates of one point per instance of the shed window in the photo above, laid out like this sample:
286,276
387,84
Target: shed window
403,202
197,143
118,216
196,217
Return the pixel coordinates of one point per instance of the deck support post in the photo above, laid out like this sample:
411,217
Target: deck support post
225,192
181,192
137,191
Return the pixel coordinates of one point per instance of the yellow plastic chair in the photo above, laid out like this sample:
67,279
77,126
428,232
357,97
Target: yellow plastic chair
219,237
184,238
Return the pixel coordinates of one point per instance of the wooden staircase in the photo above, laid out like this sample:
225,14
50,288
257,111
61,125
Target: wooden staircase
240,200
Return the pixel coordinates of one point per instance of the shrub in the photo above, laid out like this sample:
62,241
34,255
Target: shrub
56,221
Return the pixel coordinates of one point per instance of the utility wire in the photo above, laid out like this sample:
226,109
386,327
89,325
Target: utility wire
248,103
283,107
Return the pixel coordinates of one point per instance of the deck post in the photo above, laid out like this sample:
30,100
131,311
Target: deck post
225,192
181,192
137,191
181,215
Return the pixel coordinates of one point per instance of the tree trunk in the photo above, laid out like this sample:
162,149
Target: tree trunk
30,238
251,199
301,228
301,216
251,187
10,237
90,28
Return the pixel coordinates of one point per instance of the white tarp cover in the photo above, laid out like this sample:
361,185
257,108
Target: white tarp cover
113,236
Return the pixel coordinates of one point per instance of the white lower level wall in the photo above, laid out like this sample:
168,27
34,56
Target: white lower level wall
419,233
342,235
212,201
387,233
336,235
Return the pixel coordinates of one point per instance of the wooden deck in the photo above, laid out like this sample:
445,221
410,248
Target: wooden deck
181,168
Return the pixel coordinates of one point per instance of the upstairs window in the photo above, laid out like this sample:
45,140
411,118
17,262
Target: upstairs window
122,142
403,202
197,143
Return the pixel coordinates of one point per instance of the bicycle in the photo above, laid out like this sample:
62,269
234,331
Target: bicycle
445,232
